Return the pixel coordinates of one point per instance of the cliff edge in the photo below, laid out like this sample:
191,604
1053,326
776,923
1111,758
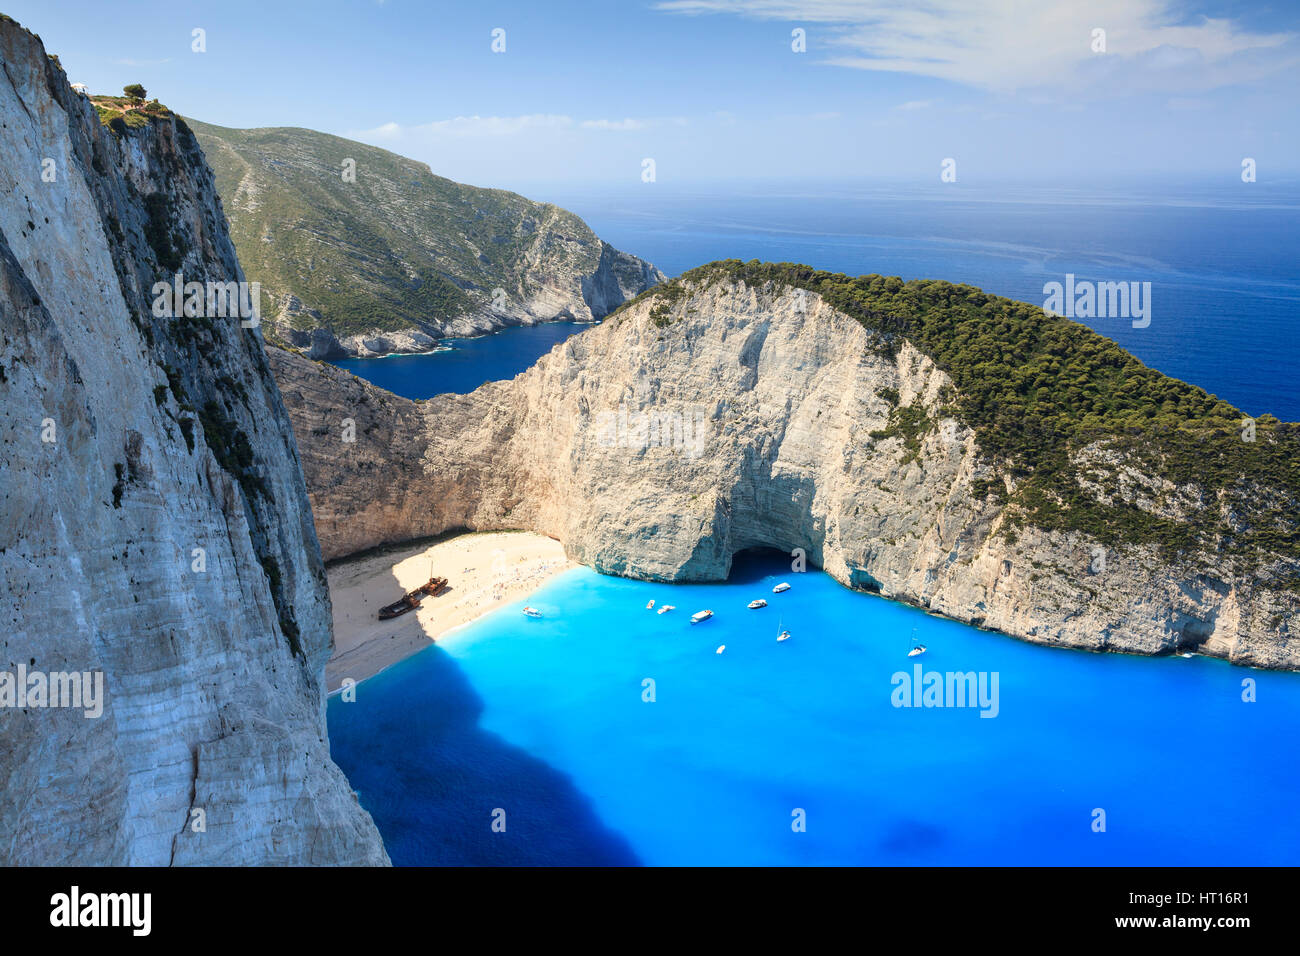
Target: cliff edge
939,445
155,536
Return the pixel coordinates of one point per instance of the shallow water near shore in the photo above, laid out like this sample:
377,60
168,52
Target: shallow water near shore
545,720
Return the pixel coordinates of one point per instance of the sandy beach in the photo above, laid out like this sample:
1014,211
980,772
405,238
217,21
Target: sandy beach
484,571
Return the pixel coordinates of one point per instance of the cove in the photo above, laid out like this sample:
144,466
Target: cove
548,720
462,365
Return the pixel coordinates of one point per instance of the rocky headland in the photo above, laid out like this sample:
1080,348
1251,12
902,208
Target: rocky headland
361,252
1033,491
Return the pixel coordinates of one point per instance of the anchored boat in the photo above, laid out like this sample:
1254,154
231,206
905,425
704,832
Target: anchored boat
783,586
701,616
755,605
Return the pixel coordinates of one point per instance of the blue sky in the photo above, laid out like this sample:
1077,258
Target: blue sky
712,90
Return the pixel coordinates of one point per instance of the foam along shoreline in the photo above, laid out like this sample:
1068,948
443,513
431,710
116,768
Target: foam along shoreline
484,571
435,350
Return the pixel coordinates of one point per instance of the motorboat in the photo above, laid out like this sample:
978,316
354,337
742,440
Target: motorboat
649,604
916,651
532,611
699,616
783,636
755,605
666,608
783,586
721,648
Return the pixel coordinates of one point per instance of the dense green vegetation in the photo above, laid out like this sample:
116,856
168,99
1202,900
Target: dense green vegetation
386,246
1037,389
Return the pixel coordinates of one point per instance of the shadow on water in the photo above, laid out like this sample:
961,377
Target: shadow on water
433,779
754,564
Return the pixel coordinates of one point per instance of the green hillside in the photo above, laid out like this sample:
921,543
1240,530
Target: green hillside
396,247
1039,390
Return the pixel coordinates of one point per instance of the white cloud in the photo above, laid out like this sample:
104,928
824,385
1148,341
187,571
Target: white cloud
497,125
1005,46
467,127
914,105
480,126
613,124
627,124
386,131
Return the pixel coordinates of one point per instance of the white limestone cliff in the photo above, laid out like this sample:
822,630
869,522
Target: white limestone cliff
155,527
658,445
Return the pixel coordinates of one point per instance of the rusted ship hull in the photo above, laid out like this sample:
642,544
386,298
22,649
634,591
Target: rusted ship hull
411,600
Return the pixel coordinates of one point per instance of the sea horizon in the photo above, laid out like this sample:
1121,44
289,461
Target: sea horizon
1217,320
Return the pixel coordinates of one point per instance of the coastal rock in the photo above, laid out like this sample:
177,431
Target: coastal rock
390,257
673,436
155,529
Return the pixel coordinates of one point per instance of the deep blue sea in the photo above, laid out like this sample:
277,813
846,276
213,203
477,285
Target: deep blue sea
462,365
545,720
1223,262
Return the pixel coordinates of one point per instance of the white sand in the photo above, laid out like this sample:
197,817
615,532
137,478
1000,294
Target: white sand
483,571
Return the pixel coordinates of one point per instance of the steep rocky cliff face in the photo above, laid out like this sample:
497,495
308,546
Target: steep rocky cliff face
155,526
364,252
729,416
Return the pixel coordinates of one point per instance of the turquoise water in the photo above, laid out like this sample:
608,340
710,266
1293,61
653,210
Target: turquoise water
545,720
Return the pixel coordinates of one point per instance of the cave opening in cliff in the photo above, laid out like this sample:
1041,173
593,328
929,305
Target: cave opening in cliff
750,565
